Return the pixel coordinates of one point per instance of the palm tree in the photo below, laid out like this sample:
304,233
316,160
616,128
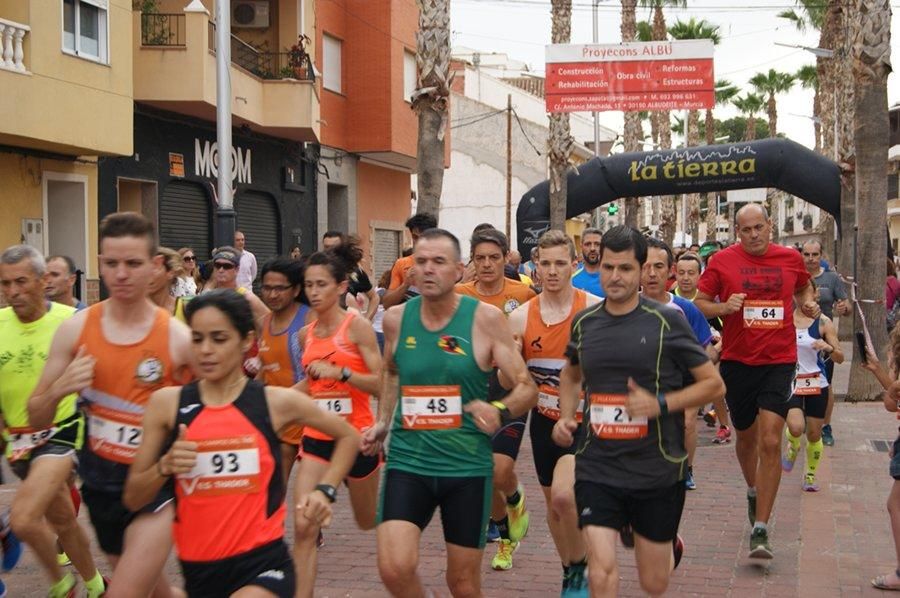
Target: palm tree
771,84
431,100
560,140
810,16
871,67
725,91
750,104
682,30
808,78
632,133
660,33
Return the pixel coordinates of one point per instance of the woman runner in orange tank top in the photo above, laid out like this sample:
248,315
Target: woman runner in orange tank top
218,439
343,372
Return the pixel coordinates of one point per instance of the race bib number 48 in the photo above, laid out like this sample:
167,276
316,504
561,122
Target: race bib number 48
610,421
114,435
224,466
763,314
431,407
24,440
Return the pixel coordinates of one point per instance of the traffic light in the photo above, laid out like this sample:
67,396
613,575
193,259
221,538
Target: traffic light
612,209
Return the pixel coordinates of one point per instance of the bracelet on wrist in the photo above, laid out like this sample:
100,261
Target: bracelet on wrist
663,405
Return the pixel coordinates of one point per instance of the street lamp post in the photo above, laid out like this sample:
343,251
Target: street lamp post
225,215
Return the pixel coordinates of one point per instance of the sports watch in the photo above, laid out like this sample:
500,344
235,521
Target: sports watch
505,415
328,490
346,373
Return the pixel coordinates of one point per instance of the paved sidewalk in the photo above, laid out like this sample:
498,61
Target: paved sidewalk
826,544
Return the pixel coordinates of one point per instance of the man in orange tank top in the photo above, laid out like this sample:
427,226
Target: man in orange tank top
115,354
541,329
489,249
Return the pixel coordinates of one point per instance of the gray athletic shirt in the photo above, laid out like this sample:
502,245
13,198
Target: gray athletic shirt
654,345
831,289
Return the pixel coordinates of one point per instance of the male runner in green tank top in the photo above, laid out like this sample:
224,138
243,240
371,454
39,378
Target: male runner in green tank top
439,348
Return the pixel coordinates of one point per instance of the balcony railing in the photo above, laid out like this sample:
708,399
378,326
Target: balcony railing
266,65
159,29
12,54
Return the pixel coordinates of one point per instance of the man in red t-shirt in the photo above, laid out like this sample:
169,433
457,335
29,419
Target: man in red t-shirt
757,282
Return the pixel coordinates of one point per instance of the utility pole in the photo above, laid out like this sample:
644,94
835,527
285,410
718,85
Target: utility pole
225,215
508,166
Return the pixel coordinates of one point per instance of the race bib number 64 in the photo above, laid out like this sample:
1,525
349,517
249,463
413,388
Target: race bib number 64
763,314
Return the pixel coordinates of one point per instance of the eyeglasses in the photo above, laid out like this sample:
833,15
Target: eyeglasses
224,266
188,258
275,288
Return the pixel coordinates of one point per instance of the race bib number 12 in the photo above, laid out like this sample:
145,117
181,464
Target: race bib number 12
114,435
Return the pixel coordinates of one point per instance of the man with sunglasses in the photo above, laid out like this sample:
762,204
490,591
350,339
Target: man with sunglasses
226,261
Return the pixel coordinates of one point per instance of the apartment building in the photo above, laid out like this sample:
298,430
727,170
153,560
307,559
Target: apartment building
66,75
171,175
365,50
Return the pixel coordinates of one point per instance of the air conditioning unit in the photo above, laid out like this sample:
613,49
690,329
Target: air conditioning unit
250,14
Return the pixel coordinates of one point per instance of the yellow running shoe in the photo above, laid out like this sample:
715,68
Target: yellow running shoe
518,518
63,560
502,561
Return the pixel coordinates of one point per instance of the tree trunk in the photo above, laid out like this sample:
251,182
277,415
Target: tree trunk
668,217
693,199
559,138
871,67
712,199
772,110
633,134
750,134
431,101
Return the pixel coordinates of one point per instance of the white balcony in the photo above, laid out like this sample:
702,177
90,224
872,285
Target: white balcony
12,53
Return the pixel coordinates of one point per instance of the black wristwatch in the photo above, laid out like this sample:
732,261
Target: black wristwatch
345,374
329,491
505,415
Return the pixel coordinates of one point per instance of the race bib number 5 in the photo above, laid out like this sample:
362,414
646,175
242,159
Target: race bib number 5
807,384
763,314
114,435
224,466
610,420
431,407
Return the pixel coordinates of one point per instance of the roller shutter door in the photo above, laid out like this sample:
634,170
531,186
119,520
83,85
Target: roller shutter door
257,218
185,218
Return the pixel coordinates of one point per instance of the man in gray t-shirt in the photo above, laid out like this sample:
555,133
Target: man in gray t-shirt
832,293
631,356
832,299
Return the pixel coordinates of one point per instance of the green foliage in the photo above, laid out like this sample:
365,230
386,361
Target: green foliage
694,29
807,77
772,82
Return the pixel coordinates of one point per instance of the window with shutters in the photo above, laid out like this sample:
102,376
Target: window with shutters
259,220
185,218
85,30
386,250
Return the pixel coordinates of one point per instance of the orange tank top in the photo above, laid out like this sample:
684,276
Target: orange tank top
340,398
544,349
124,378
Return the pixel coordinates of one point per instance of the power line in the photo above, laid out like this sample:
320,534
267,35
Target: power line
478,120
522,128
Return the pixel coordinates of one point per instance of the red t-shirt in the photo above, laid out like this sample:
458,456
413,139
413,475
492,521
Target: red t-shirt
762,332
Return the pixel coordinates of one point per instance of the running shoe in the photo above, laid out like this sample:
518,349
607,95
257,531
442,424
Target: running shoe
90,594
788,458
502,561
2,589
759,544
626,534
827,435
751,508
575,583
809,483
518,518
12,549
677,550
63,560
493,534
710,418
723,435
689,482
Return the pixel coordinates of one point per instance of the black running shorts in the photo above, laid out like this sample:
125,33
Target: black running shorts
749,388
270,567
546,452
812,405
654,514
363,467
465,504
110,518
508,439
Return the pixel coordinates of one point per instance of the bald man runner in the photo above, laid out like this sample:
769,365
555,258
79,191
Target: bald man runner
757,282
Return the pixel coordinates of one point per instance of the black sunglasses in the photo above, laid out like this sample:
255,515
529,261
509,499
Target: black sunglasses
224,266
188,258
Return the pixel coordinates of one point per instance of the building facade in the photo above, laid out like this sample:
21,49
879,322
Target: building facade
66,75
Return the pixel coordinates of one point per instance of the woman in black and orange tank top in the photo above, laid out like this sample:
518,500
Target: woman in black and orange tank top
218,437
343,371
